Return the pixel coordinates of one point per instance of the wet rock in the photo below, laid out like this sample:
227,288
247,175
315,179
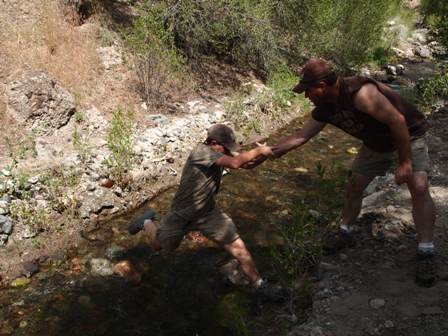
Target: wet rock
389,324
20,282
343,256
115,251
328,267
307,331
377,303
39,102
126,270
232,272
101,267
391,70
29,268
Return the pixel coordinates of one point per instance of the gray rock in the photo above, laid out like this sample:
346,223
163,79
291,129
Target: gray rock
115,251
39,102
232,272
109,56
6,224
29,268
101,267
328,267
391,70
3,239
377,303
99,201
423,51
374,199
389,324
4,209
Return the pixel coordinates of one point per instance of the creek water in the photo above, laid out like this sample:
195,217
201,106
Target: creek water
181,293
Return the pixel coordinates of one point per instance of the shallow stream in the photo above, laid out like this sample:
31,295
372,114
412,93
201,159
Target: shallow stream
181,293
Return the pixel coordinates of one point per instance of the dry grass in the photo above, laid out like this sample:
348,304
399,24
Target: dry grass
33,34
49,43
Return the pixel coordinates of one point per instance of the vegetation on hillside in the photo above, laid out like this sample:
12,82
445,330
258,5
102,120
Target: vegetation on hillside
263,34
436,15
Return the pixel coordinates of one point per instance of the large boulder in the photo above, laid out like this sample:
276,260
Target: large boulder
39,102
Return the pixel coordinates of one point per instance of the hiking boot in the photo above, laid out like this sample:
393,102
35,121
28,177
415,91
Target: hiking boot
271,292
337,241
426,272
138,223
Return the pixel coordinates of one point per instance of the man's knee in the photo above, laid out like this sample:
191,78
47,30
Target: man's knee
419,186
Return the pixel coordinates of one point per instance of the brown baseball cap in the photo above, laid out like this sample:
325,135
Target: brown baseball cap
312,72
224,135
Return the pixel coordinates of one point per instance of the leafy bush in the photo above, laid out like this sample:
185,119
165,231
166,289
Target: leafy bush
120,142
34,218
343,31
429,90
158,63
436,15
258,35
239,31
301,250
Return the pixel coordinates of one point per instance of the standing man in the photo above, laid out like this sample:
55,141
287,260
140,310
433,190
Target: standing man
387,124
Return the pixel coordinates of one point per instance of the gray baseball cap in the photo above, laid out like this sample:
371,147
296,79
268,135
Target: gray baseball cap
224,135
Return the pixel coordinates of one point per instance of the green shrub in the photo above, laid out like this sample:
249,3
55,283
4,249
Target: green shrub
36,219
158,63
429,90
436,15
343,31
120,143
238,31
81,145
301,250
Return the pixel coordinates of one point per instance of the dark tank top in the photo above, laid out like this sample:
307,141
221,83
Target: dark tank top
373,133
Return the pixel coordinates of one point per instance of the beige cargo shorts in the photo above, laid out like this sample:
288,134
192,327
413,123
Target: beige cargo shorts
371,163
215,225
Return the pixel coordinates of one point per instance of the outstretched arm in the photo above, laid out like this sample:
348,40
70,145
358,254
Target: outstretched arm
372,102
240,160
255,162
309,130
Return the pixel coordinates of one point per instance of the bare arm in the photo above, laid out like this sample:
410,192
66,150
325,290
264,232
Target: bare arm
242,159
301,137
372,102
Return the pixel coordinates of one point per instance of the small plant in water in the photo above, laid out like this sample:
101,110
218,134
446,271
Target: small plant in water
120,141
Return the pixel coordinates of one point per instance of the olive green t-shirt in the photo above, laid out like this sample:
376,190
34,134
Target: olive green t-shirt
199,183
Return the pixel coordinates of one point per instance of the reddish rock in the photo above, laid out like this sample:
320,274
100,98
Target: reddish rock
127,271
107,183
